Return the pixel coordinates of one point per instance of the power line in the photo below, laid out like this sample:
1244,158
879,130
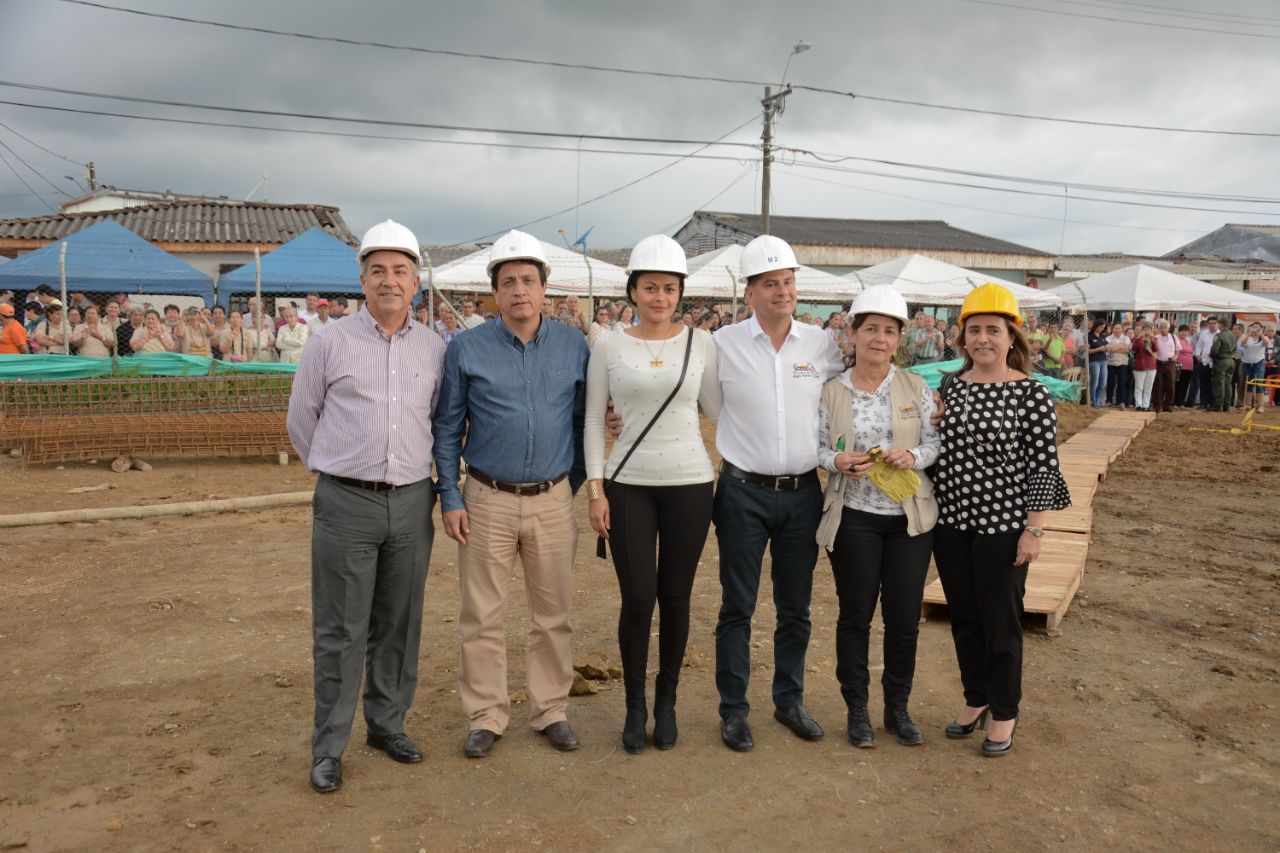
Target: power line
352,134
850,170
612,138
38,145
660,74
1166,12
1164,8
599,137
697,156
25,184
839,158
1116,20
33,169
988,209
750,168
608,193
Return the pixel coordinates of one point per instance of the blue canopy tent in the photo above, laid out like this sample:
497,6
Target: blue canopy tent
109,258
312,262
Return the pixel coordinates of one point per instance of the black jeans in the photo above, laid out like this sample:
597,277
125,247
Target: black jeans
657,534
748,517
984,596
1118,376
1204,377
874,558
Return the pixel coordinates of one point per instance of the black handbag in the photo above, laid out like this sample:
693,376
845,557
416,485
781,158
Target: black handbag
601,551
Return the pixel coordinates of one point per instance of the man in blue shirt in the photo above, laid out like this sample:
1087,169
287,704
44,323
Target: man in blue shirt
516,390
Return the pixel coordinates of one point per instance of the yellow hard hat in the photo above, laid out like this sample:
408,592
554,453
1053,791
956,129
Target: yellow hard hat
991,298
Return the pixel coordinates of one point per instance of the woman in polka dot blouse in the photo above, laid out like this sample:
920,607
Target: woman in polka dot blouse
996,478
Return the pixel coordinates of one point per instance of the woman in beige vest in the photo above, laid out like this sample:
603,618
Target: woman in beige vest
879,544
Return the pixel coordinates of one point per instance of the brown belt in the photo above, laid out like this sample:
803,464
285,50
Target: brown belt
523,490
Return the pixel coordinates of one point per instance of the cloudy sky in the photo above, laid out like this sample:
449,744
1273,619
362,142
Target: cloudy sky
1181,68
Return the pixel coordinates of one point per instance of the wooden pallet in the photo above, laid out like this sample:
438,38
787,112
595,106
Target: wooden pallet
1054,578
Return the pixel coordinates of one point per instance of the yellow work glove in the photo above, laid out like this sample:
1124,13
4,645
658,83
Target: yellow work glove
898,483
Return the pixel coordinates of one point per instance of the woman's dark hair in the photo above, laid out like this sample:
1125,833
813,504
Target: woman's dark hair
1096,323
1184,328
1018,357
856,323
634,277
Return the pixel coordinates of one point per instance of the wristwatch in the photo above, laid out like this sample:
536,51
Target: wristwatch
1035,531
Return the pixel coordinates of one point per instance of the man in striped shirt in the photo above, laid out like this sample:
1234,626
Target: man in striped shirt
360,417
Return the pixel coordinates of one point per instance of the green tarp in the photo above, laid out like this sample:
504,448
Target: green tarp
1061,389
37,368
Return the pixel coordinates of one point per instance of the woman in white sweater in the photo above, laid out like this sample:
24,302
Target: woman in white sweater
663,492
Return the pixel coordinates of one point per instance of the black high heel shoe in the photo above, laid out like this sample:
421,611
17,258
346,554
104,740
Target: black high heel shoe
997,748
955,731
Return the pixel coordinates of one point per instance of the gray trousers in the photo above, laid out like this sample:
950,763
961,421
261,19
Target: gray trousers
369,554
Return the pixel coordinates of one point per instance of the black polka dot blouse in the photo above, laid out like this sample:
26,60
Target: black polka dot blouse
999,456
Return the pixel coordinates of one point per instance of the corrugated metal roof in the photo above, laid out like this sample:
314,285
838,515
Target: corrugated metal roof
193,222
1197,268
906,234
1273,230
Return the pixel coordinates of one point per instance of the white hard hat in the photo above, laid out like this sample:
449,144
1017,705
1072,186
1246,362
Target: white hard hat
658,253
767,253
389,236
881,299
517,246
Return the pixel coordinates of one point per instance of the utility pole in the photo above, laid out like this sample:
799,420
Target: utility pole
91,176
773,105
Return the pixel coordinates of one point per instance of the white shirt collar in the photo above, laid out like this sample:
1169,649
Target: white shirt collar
756,330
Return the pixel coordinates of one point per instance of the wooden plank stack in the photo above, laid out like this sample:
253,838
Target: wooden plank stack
1054,578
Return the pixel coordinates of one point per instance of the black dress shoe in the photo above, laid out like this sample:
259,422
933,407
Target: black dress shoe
326,774
861,734
898,722
736,734
999,748
561,736
480,743
399,747
955,731
798,720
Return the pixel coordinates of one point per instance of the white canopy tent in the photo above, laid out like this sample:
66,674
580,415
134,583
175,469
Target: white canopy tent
569,274
926,281
1144,288
716,274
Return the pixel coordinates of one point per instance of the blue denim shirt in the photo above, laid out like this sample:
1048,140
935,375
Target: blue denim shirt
519,406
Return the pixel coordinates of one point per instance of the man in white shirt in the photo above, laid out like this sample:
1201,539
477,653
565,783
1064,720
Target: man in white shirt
308,315
469,319
321,320
771,374
1204,362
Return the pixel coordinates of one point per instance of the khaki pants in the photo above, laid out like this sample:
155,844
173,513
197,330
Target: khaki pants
543,531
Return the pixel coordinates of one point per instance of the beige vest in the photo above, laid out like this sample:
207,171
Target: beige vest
904,395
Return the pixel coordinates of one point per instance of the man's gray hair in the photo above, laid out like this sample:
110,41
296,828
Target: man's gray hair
364,265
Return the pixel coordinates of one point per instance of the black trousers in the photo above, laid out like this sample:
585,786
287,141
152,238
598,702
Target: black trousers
984,596
748,517
657,534
1118,384
1185,393
1204,380
874,557
369,555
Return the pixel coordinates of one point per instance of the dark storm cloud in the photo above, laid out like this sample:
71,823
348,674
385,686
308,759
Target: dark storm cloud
946,51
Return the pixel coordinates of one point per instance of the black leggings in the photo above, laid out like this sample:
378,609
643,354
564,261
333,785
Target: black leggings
984,598
671,523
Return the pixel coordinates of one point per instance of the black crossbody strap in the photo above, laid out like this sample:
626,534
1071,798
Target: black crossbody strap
684,369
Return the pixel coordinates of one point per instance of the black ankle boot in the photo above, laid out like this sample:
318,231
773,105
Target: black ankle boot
664,719
637,717
898,722
860,732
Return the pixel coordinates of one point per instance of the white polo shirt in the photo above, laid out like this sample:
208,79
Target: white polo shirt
769,421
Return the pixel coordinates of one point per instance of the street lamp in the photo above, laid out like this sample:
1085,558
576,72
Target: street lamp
801,47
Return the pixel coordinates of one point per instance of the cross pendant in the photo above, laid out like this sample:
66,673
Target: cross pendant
655,363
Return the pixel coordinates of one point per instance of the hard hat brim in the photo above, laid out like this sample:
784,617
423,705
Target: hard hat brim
369,250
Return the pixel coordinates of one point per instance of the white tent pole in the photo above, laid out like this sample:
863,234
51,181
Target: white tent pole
733,289
431,285
66,309
591,284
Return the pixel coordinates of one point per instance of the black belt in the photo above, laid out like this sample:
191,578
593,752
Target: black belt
523,490
784,483
371,485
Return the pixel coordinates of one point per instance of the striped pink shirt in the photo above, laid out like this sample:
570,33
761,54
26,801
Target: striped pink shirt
362,404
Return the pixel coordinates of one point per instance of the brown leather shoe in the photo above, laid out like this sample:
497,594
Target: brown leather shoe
561,736
480,743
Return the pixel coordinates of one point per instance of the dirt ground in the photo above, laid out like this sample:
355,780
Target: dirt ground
156,692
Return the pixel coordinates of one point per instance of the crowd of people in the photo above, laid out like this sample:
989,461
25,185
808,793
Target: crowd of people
968,483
